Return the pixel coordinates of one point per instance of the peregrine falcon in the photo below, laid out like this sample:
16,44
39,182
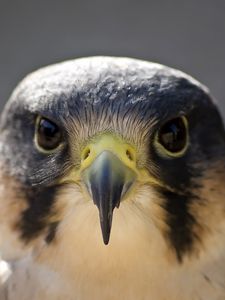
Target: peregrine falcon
112,185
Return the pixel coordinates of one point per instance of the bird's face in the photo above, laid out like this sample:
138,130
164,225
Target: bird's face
104,142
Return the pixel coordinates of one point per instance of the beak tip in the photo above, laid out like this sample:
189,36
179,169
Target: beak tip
106,235
106,242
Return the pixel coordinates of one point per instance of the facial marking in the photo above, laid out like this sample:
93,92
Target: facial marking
180,221
36,217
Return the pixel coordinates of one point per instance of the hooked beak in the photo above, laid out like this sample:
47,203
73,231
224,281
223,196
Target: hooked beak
107,180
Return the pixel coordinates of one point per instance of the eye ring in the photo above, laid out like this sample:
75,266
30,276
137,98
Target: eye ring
48,136
180,136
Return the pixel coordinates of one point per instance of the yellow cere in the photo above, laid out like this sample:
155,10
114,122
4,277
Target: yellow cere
108,142
124,151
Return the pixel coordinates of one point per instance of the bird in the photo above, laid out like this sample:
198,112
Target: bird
112,184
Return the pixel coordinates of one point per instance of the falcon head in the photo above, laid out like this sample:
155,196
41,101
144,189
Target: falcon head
108,156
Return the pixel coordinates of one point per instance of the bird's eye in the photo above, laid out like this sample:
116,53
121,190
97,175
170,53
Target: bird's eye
48,134
172,137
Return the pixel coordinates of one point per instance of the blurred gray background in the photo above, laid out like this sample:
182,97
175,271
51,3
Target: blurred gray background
189,35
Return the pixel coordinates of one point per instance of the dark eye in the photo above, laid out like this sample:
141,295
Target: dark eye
48,134
173,135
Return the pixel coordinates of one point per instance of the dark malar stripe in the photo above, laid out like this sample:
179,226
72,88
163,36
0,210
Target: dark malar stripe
35,218
180,221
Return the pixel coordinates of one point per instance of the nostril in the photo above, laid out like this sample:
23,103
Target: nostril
86,153
129,155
